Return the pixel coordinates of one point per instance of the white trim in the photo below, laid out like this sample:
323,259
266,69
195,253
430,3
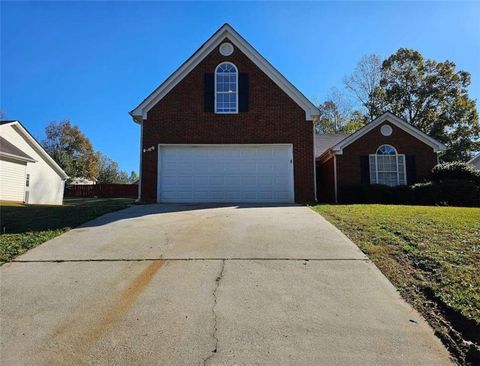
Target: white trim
314,165
474,159
215,88
290,146
236,145
139,198
335,177
226,31
382,145
400,123
397,155
16,157
20,129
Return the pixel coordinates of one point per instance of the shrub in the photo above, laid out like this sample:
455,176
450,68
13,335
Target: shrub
376,193
427,193
456,170
403,195
460,192
454,192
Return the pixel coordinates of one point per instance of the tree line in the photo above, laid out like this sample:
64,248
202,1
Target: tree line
431,95
73,151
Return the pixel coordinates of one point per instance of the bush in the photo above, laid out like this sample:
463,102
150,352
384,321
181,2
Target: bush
460,192
455,170
376,193
454,192
427,193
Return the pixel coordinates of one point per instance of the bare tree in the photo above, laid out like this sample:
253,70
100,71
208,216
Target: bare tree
364,84
335,112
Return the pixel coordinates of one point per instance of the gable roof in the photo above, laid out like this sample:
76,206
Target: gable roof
9,150
226,31
18,127
324,141
400,123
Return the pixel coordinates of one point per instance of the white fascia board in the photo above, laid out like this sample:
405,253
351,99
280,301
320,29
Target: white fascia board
16,157
226,31
20,129
474,159
400,123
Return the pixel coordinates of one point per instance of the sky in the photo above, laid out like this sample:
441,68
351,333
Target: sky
93,62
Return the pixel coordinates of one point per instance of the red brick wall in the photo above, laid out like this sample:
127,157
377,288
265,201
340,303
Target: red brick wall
326,181
273,117
348,164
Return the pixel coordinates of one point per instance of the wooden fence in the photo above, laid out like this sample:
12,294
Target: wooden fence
102,190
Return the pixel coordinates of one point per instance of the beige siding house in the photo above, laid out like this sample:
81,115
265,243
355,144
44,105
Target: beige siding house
27,173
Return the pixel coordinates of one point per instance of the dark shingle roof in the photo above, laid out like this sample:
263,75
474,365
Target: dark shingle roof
325,141
10,149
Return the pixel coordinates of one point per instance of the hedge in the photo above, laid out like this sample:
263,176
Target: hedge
455,184
453,192
456,170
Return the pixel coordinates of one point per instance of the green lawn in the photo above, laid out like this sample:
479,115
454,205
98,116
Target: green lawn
25,226
431,254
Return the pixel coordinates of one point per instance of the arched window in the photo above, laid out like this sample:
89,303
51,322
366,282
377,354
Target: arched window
387,167
226,88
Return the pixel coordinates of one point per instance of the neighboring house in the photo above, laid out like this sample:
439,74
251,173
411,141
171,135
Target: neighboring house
27,173
386,151
475,161
228,127
80,181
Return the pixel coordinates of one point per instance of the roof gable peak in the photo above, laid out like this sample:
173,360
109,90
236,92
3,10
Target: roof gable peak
393,119
225,31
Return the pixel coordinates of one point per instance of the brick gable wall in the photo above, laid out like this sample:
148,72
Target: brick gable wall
348,164
273,117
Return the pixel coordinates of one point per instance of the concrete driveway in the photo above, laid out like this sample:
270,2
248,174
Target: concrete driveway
195,285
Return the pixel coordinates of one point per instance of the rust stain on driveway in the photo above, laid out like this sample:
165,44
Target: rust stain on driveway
127,298
94,327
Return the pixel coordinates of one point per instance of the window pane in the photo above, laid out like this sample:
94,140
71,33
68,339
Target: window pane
226,88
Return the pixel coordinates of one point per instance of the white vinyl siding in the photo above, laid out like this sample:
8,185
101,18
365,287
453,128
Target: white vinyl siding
46,185
225,173
12,181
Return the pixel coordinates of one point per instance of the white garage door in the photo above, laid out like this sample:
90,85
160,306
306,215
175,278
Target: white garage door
12,181
225,173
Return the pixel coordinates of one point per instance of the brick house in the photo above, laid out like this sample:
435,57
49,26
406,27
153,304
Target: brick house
228,127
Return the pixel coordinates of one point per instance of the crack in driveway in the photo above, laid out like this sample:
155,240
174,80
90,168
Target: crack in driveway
183,259
215,327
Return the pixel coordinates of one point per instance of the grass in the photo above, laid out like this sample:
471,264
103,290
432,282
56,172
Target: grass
431,254
23,227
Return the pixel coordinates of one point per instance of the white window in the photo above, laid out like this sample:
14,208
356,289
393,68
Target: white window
387,167
226,88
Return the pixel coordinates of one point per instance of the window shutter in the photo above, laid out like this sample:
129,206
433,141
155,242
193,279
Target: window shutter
364,170
209,93
243,92
411,168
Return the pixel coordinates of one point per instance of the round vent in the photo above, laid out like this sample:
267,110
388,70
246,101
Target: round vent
386,130
226,49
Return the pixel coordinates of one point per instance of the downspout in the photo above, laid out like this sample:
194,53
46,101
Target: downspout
314,166
139,198
335,177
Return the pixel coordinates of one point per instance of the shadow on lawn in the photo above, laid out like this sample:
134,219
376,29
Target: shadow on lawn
93,212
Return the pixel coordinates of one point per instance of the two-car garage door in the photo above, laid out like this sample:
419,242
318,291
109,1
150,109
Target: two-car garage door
225,173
